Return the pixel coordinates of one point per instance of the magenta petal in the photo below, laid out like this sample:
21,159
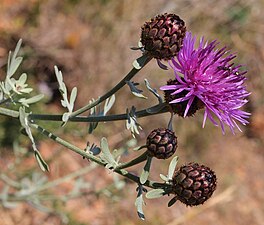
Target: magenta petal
210,74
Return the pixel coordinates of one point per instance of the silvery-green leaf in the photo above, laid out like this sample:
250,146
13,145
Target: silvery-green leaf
155,193
13,66
163,177
139,95
153,91
139,205
73,97
145,172
22,79
42,164
58,74
14,62
22,117
24,123
106,152
172,167
172,201
26,90
18,46
63,90
31,100
139,62
64,103
10,85
109,103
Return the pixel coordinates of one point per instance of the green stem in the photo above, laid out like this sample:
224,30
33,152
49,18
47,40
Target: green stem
133,162
103,118
141,113
122,83
93,158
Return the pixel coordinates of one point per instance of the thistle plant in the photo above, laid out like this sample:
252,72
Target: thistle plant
206,78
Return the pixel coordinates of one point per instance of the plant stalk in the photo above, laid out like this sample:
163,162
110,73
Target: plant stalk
118,86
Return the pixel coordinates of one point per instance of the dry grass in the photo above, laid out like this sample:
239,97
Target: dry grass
89,41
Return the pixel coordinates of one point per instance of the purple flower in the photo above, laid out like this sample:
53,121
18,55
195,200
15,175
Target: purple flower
207,75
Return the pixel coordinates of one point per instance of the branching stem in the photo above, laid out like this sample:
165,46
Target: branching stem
118,86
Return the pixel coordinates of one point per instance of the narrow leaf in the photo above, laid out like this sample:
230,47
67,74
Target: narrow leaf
155,193
73,97
42,164
31,100
109,103
172,167
139,205
163,177
18,46
145,172
58,74
14,65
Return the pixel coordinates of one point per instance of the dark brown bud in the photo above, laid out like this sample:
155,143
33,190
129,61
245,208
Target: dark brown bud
162,36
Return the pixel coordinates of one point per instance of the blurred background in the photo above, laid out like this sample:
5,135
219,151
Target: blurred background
90,40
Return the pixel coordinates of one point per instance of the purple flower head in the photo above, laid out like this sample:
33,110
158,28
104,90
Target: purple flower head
208,76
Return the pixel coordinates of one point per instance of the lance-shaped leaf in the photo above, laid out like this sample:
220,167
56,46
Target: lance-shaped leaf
109,102
72,98
164,178
145,172
23,117
140,202
107,156
155,193
172,167
27,101
14,61
171,170
42,164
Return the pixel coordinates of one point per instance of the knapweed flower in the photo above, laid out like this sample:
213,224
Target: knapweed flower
162,36
206,77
